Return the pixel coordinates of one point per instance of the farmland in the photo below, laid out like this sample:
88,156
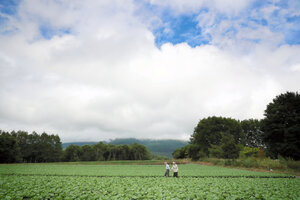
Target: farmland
44,181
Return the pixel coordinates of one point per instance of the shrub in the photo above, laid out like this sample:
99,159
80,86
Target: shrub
250,163
282,161
248,152
228,162
202,155
261,154
216,161
268,163
293,164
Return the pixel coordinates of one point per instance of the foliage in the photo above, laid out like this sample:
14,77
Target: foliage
249,152
34,187
293,164
228,148
252,132
216,151
72,153
209,132
23,147
180,153
261,154
283,165
9,149
193,151
163,148
157,147
103,151
281,126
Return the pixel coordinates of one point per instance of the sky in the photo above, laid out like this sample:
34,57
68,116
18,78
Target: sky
97,70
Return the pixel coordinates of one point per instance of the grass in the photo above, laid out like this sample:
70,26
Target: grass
266,164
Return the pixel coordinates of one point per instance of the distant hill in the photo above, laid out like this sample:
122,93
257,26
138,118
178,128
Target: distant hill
157,147
65,145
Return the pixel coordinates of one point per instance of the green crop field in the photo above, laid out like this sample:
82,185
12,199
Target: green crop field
63,181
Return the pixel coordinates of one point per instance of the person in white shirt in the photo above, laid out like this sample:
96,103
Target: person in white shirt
175,170
167,170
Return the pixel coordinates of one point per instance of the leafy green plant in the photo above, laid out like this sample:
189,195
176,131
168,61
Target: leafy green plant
71,187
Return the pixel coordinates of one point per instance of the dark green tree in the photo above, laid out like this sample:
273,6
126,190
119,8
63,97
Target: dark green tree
22,139
99,150
281,126
181,153
252,129
38,148
114,151
87,153
139,152
209,132
33,147
124,152
229,147
9,149
193,151
57,152
72,153
216,151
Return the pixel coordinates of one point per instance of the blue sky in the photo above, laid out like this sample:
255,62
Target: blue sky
184,26
93,70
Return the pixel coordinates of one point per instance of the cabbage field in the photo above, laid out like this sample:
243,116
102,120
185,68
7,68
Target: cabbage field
57,181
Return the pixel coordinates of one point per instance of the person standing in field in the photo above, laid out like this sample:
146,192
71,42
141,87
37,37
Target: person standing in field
167,170
175,170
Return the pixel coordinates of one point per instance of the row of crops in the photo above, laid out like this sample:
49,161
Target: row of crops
187,170
37,181
55,187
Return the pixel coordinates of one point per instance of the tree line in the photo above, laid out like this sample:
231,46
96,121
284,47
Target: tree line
277,134
104,152
32,148
23,147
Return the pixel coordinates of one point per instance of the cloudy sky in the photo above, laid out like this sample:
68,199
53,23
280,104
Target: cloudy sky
92,70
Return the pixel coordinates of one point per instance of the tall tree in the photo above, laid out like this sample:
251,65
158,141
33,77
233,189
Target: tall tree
22,139
33,147
209,132
57,152
281,126
252,132
9,149
139,152
72,153
99,150
87,153
229,147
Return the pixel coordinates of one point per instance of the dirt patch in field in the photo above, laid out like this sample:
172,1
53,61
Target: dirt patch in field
203,163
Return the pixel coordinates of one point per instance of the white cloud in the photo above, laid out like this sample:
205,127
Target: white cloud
107,78
296,67
231,7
